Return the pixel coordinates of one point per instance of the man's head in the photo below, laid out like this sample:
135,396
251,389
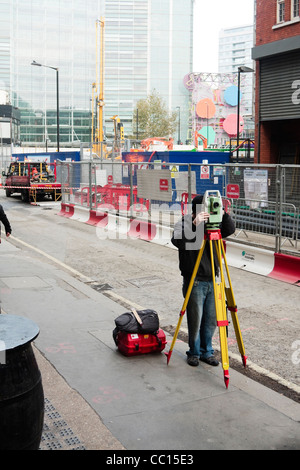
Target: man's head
196,204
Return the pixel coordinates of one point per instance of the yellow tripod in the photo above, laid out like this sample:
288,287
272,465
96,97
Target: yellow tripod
221,295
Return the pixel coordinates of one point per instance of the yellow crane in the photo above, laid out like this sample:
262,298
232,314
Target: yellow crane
98,92
118,136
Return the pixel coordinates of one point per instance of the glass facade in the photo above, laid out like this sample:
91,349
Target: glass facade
126,58
148,44
235,45
60,34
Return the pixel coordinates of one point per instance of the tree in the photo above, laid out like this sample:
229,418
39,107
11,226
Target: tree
154,118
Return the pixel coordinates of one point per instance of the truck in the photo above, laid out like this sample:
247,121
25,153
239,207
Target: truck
33,180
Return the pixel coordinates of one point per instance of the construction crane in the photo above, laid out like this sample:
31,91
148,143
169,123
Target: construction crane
98,92
204,139
118,135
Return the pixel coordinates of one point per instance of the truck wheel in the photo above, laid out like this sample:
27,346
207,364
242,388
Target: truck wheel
7,193
25,195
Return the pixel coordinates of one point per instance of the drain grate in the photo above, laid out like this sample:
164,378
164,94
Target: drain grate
57,435
101,287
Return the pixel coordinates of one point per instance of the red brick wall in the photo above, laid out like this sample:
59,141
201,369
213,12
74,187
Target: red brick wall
266,15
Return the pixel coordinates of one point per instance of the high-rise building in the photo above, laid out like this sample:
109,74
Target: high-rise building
148,45
235,46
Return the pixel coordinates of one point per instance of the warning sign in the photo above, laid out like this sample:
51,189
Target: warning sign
164,184
175,171
204,172
233,191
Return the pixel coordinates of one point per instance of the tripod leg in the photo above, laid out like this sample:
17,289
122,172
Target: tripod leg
186,300
231,305
220,306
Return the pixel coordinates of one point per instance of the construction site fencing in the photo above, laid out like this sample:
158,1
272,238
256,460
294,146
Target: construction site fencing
262,199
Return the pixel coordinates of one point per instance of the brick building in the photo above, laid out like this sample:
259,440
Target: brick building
277,90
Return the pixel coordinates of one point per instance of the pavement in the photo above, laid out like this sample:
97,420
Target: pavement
98,399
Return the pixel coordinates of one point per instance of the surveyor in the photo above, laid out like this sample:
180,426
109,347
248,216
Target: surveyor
188,236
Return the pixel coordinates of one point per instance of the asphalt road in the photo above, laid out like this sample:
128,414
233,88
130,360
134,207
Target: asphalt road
142,274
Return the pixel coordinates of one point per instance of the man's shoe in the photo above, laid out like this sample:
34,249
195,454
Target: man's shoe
211,360
193,361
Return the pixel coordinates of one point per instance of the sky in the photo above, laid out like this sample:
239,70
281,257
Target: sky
210,16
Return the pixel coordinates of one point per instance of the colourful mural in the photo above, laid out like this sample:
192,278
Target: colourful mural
214,100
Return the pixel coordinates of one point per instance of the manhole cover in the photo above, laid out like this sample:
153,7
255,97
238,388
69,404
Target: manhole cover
145,281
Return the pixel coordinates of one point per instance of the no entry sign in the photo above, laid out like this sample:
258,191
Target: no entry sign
233,191
204,172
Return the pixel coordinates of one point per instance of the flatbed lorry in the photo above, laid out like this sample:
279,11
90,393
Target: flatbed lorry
33,180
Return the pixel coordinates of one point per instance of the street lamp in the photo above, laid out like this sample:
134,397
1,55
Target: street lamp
57,96
242,69
178,107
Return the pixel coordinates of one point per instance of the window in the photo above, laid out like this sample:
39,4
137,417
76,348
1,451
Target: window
280,11
295,8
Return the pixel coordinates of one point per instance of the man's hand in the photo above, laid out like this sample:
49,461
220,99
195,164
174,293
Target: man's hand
201,217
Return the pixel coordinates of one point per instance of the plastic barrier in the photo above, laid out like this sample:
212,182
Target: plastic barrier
163,236
67,210
122,226
98,218
142,229
147,230
81,213
255,260
278,266
286,268
134,229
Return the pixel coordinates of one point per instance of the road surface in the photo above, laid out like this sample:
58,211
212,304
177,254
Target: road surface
145,275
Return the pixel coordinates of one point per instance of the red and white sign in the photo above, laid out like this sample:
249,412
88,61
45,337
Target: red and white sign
163,184
233,191
110,179
204,172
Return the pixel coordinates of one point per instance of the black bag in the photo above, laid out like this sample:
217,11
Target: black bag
140,322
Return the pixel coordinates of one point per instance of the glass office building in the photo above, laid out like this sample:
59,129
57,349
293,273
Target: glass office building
148,45
235,46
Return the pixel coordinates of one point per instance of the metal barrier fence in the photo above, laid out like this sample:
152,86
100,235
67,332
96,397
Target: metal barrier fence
262,199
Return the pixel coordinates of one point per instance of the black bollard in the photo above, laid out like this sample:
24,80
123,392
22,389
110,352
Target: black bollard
21,390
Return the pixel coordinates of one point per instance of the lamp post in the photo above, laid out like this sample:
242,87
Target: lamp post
57,96
242,69
179,140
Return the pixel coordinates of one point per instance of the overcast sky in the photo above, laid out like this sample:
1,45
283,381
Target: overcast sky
210,16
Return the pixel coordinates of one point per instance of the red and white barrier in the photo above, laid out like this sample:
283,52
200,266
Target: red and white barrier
98,218
67,210
286,268
81,213
142,229
278,266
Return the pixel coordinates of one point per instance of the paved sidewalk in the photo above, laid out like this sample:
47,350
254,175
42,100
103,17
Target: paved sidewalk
95,398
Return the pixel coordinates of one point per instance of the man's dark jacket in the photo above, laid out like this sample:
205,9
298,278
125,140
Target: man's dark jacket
4,220
188,239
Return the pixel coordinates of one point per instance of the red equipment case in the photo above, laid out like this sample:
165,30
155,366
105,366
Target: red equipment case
133,344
